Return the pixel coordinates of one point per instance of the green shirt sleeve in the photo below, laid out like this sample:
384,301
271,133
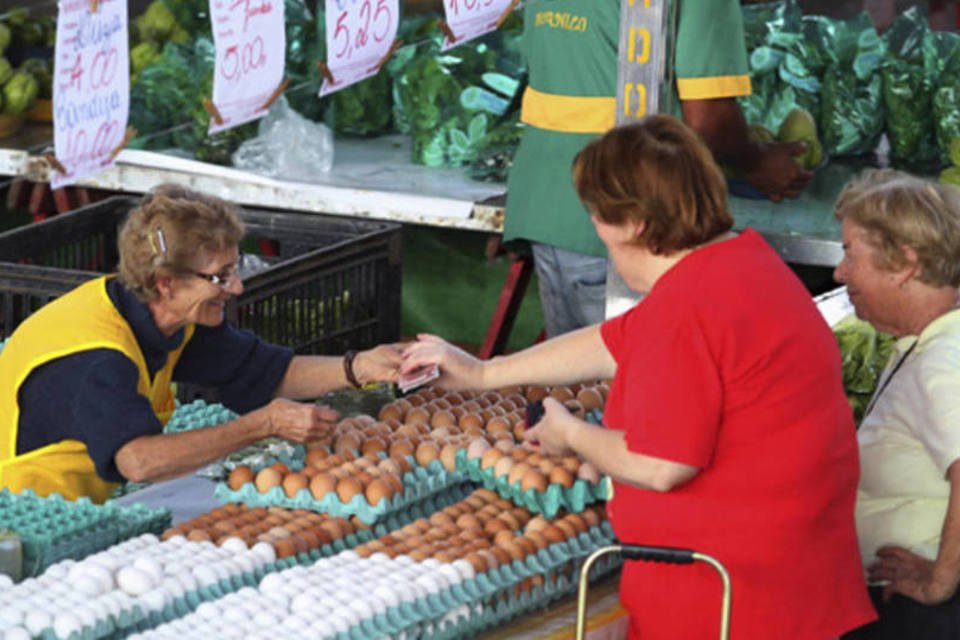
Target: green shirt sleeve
711,56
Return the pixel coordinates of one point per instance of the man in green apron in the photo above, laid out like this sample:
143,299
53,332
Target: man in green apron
571,51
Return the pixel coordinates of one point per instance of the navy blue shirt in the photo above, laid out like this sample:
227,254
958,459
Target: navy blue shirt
92,396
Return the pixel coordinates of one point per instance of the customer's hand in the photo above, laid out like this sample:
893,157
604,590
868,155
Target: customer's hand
911,575
458,369
380,364
299,421
776,173
553,431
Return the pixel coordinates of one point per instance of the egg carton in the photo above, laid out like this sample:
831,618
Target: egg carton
548,503
52,528
418,484
197,415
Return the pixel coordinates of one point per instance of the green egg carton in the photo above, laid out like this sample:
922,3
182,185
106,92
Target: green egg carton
549,502
52,529
197,415
419,484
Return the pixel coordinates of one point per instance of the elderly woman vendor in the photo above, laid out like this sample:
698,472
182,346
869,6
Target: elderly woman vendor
726,429
901,265
85,382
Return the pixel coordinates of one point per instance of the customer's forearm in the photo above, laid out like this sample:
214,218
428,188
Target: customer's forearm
946,568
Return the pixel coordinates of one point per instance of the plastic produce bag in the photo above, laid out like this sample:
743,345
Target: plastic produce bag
946,98
273,152
908,93
852,115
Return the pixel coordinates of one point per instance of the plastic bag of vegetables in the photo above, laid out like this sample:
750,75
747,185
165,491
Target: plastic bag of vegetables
852,115
864,352
908,93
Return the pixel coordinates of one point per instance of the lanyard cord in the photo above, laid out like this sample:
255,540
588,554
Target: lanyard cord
886,383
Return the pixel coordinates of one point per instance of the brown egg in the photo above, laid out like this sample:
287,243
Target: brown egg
347,488
390,411
377,490
574,407
442,418
426,453
562,394
538,539
345,442
490,458
322,484
517,472
536,393
476,561
401,447
240,476
535,480
503,536
334,528
448,456
293,482
493,525
504,442
281,467
589,473
373,444
559,475
577,521
503,467
267,479
512,521
552,533
417,415
591,517
569,531
285,548
315,456
590,398
498,424
198,535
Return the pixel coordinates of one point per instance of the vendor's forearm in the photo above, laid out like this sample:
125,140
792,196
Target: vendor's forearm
572,357
607,450
947,565
165,456
721,125
308,377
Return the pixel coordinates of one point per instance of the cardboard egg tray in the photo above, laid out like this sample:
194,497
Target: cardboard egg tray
549,502
418,484
52,528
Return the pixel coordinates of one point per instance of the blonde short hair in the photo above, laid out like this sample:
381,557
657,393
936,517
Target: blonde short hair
172,229
899,210
658,172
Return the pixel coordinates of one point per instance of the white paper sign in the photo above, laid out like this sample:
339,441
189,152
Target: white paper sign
251,44
468,19
360,35
91,88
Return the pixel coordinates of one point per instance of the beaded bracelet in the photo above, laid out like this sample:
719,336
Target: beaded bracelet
348,368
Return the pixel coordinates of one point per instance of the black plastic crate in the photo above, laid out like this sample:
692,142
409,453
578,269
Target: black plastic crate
333,285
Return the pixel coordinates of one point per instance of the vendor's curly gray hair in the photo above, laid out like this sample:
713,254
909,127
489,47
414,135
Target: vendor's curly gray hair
170,231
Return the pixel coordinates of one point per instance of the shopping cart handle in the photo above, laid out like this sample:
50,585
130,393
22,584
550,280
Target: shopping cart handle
670,555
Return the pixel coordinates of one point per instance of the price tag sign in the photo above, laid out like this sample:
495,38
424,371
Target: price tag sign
468,19
251,44
360,36
91,88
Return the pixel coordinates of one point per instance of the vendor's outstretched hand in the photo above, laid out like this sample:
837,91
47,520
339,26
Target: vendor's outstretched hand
300,421
458,369
911,575
776,173
552,432
380,364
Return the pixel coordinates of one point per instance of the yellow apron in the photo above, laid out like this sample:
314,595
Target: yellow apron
80,320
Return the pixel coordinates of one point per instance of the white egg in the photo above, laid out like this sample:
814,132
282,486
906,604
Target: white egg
234,544
301,603
134,581
11,615
235,615
430,563
340,622
296,623
187,580
148,539
387,594
16,633
279,598
208,610
322,629
404,560
348,555
172,587
150,566
66,623
266,620
265,552
271,582
154,600
174,541
103,575
36,621
464,568
205,575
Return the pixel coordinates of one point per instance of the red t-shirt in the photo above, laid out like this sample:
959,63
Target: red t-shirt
727,365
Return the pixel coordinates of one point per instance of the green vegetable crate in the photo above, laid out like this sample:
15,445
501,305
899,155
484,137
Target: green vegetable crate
325,284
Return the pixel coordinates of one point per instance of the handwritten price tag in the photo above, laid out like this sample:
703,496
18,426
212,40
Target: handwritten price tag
360,34
91,89
250,40
468,19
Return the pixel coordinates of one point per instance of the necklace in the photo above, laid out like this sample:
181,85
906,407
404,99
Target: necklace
886,382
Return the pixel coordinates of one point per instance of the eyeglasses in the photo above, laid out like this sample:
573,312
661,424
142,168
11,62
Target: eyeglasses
222,279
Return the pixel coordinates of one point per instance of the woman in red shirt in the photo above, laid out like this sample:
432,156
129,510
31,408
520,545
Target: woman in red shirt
727,430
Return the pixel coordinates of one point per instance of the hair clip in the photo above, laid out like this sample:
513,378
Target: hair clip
162,242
